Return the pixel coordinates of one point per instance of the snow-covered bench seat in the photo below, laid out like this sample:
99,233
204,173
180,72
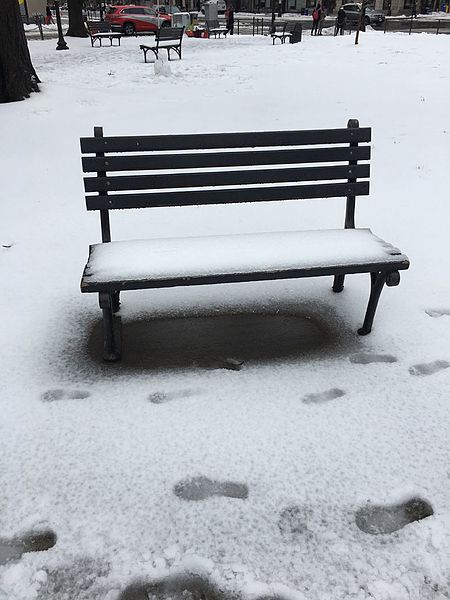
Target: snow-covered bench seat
260,166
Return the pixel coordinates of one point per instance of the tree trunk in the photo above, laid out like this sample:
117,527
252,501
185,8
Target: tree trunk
17,75
77,27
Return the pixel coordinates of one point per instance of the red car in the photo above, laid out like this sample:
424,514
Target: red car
130,19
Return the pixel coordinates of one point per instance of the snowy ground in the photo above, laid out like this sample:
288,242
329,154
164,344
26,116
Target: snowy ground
316,424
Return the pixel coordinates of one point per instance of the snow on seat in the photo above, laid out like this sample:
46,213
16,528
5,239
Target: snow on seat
128,264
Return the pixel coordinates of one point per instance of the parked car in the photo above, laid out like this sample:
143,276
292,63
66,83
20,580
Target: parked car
375,16
371,17
131,19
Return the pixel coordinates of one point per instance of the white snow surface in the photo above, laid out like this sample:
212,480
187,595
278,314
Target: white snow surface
242,253
95,452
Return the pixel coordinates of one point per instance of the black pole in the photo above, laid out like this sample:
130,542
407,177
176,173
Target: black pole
272,25
26,10
61,41
101,10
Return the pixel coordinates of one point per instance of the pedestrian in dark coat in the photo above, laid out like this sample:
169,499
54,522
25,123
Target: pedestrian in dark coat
229,16
340,22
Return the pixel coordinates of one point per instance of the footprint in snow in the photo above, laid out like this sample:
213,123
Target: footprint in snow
366,358
320,397
430,368
163,397
200,488
441,312
12,549
59,394
378,519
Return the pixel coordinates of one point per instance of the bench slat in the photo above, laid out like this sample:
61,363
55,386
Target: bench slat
227,196
223,159
224,140
86,286
219,178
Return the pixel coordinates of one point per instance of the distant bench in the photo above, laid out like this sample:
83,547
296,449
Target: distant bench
100,30
167,38
114,267
214,28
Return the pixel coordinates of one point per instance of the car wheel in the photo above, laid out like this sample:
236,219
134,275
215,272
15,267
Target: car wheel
367,20
165,24
128,29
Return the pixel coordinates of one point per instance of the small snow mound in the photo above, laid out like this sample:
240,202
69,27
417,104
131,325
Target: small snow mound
162,67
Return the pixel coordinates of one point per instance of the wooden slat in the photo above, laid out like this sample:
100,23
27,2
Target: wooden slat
219,178
112,286
224,140
223,159
227,196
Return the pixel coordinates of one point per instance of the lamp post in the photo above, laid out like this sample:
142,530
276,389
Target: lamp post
61,41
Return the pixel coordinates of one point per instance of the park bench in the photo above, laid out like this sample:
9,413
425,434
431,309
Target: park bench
291,31
100,30
259,167
167,38
214,28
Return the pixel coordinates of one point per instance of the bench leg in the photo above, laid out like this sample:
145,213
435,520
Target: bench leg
115,302
338,283
111,338
377,283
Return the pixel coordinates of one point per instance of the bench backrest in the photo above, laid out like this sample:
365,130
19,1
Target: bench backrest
98,27
293,27
283,30
259,167
169,34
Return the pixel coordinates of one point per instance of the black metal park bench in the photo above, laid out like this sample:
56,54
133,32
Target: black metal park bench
167,38
259,167
291,30
100,30
215,30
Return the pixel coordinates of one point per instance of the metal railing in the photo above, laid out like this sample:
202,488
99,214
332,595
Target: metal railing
418,25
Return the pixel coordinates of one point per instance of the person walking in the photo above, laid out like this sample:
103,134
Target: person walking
321,20
316,18
340,22
48,16
229,17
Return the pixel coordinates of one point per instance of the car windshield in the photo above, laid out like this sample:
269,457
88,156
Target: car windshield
175,9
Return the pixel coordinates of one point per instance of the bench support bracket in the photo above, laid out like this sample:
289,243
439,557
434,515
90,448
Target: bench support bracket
377,283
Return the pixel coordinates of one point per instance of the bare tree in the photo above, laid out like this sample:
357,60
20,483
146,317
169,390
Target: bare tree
17,75
76,22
